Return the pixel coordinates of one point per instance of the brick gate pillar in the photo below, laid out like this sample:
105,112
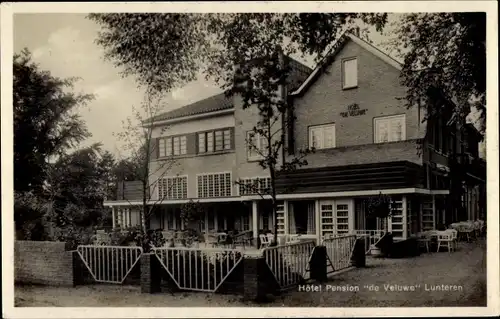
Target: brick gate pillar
150,274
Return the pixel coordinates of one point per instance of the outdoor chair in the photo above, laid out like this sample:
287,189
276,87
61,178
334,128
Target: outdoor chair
465,231
179,238
482,227
270,237
222,239
445,238
240,240
454,237
264,241
210,240
424,239
477,229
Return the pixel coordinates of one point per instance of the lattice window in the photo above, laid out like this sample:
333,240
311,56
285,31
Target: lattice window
327,221
397,221
214,185
253,186
342,218
172,187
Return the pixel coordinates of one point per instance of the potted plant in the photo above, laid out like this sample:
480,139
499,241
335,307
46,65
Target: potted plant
380,207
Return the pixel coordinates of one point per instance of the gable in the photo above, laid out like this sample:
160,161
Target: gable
336,52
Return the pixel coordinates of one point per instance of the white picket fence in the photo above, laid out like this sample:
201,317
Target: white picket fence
109,264
339,251
198,269
289,263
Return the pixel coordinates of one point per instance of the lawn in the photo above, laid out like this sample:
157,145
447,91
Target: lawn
464,272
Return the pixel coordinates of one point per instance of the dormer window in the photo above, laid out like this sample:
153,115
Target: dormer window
349,73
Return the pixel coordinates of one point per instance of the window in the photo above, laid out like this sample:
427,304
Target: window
256,145
214,185
252,186
342,218
322,136
170,219
227,139
397,218
173,145
327,221
172,188
427,217
211,219
123,218
302,218
349,73
390,129
218,140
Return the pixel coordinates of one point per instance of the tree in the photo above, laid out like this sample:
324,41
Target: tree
45,120
77,185
139,142
149,46
444,58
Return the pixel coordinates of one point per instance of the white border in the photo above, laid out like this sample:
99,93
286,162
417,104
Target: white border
7,10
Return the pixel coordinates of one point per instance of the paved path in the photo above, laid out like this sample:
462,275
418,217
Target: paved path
464,270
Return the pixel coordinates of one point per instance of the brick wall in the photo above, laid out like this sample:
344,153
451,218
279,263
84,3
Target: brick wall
42,262
377,92
366,154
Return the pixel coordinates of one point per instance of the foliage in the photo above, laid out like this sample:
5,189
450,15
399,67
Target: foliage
192,212
77,184
149,46
137,135
73,236
45,120
444,59
379,206
165,50
29,217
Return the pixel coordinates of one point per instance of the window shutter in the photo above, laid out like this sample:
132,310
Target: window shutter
154,148
232,138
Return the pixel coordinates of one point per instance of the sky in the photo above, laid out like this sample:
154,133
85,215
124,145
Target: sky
64,44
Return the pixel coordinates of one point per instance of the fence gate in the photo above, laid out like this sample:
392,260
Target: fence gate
109,264
198,269
290,263
339,252
372,237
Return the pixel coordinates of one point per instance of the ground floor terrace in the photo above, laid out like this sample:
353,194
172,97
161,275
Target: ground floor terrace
311,216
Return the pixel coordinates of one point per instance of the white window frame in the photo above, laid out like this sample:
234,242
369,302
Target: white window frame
158,193
209,140
355,84
258,137
214,195
378,120
166,141
322,129
251,179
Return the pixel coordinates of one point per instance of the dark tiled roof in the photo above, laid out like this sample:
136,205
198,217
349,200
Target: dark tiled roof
298,74
214,103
